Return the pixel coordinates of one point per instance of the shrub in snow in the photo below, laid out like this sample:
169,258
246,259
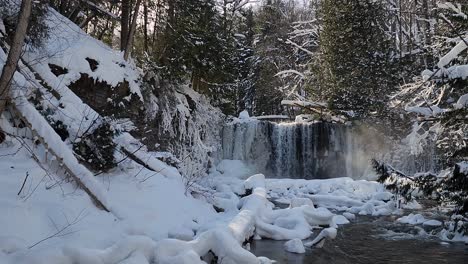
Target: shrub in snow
96,148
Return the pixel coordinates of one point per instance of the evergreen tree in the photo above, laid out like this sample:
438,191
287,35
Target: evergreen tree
273,27
355,64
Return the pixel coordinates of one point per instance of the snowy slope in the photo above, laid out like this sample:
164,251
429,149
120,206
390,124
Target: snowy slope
68,46
151,205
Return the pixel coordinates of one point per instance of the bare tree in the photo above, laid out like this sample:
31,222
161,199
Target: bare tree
131,34
124,23
15,52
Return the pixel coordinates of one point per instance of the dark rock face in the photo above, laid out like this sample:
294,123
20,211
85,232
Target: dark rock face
293,150
107,100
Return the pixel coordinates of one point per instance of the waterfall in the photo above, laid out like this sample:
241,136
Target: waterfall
293,150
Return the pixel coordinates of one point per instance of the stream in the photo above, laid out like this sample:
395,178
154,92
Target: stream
370,240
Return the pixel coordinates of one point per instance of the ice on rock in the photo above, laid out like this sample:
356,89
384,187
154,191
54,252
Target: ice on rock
340,220
412,205
318,241
383,196
318,216
349,216
432,223
294,246
255,181
298,202
244,115
412,219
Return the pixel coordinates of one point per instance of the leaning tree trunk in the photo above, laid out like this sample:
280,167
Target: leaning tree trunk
15,52
131,34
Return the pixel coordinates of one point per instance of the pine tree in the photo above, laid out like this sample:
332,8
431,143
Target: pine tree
355,64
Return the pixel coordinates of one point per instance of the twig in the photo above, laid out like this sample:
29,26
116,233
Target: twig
24,182
60,232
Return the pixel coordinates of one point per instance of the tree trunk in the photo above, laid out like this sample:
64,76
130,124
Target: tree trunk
124,24
145,13
131,34
15,52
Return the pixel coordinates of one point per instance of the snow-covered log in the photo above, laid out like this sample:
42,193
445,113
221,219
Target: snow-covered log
52,141
136,151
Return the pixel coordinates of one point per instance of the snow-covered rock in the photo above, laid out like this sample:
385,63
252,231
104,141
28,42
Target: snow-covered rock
244,115
340,220
412,219
432,223
349,216
294,246
298,202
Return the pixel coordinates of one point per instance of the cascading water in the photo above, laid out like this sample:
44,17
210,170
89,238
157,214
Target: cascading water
293,150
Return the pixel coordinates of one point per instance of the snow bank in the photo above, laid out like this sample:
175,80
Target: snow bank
155,207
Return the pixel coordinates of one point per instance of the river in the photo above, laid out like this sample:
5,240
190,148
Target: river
368,240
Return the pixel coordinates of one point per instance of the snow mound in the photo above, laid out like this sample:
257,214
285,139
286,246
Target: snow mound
294,246
244,115
412,219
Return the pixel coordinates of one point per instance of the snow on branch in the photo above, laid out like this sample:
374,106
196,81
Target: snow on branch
304,103
453,53
287,72
457,9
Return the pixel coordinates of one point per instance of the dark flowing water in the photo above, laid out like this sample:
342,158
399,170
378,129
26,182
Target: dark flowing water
361,242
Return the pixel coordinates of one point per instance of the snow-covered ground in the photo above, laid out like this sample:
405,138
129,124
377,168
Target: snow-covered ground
52,221
149,204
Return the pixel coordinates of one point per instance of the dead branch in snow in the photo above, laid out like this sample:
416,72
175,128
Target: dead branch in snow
60,232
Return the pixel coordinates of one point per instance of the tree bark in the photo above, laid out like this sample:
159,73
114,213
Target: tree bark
15,52
124,24
131,34
145,13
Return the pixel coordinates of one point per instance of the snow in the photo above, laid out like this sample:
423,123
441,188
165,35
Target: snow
462,102
304,103
287,72
349,216
55,143
318,241
234,169
412,219
417,219
304,118
244,115
425,111
298,202
68,46
294,246
267,117
433,223
456,9
453,53
97,236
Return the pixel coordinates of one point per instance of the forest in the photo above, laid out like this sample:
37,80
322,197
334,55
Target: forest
233,131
